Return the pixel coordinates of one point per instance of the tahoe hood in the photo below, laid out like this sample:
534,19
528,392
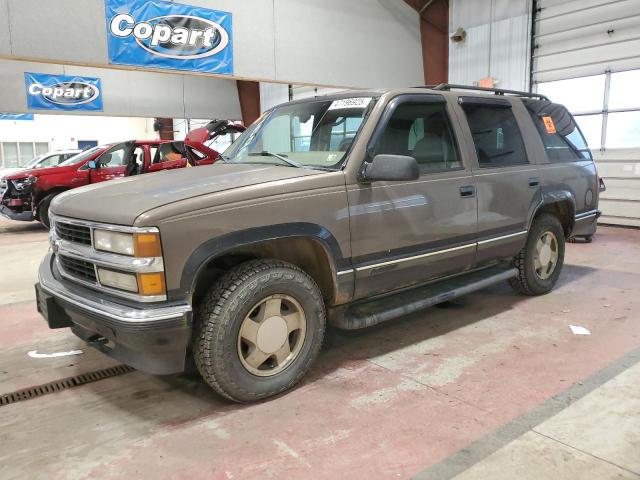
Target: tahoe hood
122,201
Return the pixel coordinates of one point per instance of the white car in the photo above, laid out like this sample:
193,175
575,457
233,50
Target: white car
49,159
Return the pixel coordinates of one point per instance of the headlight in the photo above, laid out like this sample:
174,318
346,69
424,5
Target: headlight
114,242
23,183
132,244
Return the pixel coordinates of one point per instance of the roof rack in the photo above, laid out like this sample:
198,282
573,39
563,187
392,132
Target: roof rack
496,91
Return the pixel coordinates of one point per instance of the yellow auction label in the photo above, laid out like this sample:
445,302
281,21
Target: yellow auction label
549,125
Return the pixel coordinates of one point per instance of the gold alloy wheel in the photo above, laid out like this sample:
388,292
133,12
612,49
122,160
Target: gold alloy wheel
545,257
272,335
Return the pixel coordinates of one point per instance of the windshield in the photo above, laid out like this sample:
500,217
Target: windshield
313,134
81,156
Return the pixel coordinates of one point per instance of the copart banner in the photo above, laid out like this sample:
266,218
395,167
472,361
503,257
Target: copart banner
159,34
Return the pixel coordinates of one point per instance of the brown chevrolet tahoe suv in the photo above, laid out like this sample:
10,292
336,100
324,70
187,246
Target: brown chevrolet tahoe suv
351,209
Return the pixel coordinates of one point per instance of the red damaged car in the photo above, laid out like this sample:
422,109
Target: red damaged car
26,195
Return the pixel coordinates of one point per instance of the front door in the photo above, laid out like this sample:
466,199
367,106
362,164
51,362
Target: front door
410,232
114,163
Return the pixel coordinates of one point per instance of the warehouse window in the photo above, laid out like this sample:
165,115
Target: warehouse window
606,107
18,154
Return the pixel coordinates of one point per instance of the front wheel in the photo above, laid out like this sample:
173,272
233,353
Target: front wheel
540,261
43,210
258,330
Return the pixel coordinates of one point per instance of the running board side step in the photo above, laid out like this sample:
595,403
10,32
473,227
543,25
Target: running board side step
372,312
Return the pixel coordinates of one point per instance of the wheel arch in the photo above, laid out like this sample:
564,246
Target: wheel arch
42,194
560,204
309,246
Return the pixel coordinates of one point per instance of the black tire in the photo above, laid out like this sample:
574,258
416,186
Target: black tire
220,316
43,210
527,281
588,238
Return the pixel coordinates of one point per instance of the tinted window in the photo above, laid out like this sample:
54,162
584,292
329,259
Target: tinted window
559,132
496,135
423,131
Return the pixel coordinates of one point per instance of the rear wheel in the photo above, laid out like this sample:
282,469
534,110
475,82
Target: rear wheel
43,210
258,330
540,261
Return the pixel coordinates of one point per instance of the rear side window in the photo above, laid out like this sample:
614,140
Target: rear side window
562,139
496,135
421,130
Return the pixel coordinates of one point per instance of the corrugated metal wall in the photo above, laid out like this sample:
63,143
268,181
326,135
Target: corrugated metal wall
585,37
497,43
593,37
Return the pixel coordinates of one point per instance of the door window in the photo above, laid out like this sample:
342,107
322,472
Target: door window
115,158
421,130
496,135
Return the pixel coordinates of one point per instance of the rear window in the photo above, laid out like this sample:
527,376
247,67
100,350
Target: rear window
559,132
496,135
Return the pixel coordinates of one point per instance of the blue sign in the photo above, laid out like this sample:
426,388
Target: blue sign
159,34
16,116
62,92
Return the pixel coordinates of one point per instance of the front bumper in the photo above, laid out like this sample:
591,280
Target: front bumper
26,216
150,338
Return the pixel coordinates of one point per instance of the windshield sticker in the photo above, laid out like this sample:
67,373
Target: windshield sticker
549,125
356,102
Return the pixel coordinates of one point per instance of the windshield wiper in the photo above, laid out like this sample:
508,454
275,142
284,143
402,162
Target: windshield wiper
265,153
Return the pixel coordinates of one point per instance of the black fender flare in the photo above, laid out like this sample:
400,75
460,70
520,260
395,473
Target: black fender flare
218,246
554,197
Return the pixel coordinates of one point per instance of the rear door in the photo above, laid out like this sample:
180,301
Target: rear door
113,163
508,185
410,232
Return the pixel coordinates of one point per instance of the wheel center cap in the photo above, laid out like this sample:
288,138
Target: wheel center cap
272,334
545,254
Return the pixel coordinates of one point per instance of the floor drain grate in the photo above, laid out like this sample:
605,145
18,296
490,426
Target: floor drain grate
64,384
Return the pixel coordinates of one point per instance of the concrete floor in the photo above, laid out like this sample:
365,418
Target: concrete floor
493,386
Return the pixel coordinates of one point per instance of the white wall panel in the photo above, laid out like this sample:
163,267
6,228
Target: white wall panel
66,30
132,93
363,43
497,42
620,169
206,97
5,39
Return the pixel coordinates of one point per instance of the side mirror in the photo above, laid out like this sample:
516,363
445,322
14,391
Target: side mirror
92,164
391,168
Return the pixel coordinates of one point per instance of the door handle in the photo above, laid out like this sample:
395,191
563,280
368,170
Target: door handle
467,191
534,181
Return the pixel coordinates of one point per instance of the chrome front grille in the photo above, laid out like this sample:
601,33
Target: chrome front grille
80,269
77,260
73,233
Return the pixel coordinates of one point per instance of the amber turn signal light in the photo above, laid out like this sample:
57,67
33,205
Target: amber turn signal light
151,283
147,245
